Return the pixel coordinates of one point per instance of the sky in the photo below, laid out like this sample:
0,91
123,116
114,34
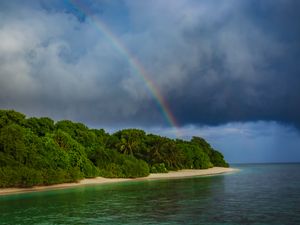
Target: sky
224,70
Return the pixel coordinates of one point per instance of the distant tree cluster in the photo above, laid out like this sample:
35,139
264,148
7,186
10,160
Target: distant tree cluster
38,151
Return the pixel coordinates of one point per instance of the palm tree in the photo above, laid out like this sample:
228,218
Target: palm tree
126,145
130,141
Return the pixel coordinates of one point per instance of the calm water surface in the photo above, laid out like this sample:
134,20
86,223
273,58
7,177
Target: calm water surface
258,194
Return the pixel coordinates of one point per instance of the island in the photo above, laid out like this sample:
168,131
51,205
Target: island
38,152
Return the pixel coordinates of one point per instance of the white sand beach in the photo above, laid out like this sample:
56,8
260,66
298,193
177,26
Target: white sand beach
101,180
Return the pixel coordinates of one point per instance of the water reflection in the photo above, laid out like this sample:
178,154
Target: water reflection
133,203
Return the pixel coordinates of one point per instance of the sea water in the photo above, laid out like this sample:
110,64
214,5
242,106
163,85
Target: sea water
257,194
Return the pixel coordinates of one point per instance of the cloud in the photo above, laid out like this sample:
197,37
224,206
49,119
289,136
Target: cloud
214,62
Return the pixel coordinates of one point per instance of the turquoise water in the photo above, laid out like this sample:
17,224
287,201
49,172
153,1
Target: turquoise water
258,194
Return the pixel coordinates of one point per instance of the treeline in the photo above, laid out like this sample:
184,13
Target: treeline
38,151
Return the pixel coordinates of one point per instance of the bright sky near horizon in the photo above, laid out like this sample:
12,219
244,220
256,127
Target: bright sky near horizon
225,70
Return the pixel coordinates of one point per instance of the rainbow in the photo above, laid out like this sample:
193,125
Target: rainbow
132,60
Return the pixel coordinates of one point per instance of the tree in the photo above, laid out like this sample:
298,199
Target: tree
36,151
12,142
10,116
131,141
217,159
40,126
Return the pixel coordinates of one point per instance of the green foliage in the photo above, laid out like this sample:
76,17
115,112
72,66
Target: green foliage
133,167
130,141
10,116
78,131
20,177
12,143
40,126
195,157
158,168
59,175
114,164
217,159
37,151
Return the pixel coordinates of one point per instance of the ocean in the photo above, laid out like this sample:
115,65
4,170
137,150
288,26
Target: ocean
258,194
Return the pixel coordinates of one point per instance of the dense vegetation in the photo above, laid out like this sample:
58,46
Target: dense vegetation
38,151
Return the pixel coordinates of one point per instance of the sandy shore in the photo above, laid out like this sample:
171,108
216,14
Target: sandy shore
101,180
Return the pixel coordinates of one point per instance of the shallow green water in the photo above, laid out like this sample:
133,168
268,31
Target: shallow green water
258,194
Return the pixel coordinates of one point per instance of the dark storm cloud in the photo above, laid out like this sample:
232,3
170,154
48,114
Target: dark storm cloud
253,72
214,61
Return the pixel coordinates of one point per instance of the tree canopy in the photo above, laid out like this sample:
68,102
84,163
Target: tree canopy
39,151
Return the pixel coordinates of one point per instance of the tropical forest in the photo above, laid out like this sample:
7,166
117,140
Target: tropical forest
40,151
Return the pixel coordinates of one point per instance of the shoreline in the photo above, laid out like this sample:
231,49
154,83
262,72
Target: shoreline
186,173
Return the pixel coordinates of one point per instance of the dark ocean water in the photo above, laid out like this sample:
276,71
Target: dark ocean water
258,194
